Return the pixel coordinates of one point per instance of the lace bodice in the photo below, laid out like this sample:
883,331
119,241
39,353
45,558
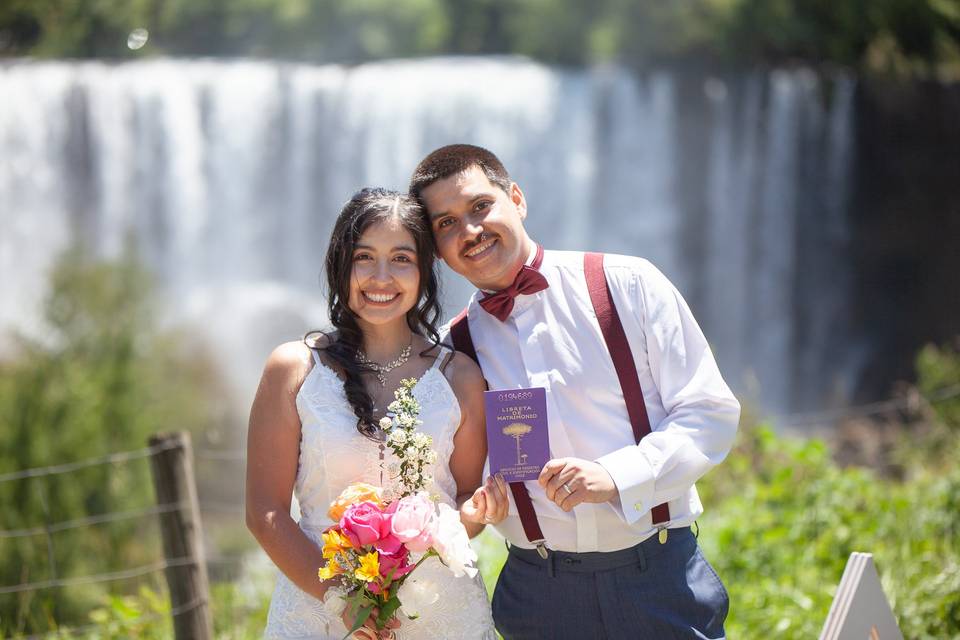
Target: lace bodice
334,454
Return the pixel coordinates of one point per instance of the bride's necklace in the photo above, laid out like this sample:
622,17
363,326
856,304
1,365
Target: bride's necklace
381,370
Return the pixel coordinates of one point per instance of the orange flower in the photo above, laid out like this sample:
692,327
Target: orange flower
357,492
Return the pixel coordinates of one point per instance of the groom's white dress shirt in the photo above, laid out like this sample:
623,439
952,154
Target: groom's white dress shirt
552,340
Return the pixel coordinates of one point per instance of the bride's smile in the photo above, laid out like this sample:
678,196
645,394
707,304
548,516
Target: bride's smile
385,277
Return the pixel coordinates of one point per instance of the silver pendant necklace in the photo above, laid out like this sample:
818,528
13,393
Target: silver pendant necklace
381,370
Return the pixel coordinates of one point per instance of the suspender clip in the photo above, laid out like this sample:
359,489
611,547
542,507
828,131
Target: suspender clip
542,548
662,535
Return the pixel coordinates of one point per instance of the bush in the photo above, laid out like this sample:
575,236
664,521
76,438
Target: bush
782,540
102,379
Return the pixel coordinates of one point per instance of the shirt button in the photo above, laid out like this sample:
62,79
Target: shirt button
638,506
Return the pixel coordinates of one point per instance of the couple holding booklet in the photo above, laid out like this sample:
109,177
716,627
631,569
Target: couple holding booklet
599,351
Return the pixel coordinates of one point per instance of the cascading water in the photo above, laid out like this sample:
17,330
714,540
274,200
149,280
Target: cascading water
228,175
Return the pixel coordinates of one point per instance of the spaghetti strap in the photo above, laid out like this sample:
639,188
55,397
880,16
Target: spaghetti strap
447,358
440,362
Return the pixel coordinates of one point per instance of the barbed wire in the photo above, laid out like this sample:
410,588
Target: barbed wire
222,507
113,458
103,518
213,454
113,516
869,409
96,578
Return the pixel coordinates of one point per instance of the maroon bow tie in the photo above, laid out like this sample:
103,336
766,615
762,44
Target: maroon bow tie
527,282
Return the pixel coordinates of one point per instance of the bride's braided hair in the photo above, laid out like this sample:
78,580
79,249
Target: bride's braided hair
368,207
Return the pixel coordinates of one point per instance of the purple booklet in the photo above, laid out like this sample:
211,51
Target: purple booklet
517,438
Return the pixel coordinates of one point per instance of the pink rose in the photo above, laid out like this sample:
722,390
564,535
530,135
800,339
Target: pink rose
365,523
389,544
398,563
413,522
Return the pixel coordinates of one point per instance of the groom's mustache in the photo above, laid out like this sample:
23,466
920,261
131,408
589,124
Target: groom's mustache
480,238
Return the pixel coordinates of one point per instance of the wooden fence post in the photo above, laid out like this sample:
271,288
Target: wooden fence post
173,481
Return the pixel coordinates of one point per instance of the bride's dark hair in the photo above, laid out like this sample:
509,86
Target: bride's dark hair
368,207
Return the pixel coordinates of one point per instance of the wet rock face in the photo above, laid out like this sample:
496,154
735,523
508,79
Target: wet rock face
905,218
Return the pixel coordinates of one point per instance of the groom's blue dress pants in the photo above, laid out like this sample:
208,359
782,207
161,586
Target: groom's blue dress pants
656,591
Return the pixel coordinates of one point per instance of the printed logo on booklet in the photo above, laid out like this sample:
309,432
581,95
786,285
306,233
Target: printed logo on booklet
517,438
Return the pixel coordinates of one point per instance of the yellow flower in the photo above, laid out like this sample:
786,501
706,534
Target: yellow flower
369,569
357,492
329,570
334,542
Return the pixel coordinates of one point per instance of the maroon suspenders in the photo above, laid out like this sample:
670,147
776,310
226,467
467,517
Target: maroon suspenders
616,339
619,349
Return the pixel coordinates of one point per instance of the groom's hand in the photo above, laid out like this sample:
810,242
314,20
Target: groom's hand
570,481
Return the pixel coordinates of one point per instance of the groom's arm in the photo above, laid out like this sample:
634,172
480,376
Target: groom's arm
701,413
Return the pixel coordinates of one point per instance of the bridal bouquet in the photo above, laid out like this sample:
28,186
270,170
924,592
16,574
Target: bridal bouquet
383,534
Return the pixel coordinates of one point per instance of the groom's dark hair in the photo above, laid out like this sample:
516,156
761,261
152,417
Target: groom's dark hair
457,158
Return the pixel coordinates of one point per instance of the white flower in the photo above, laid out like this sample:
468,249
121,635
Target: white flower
385,423
393,469
398,437
427,478
421,440
334,602
416,594
431,457
452,543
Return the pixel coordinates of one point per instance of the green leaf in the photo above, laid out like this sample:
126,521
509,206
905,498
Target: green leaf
387,610
361,616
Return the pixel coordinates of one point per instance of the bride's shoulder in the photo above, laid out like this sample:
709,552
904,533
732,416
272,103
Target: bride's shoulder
290,360
290,353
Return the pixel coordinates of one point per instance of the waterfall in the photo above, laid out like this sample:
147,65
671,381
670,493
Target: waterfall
228,175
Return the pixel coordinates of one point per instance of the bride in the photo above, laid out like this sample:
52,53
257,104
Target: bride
313,426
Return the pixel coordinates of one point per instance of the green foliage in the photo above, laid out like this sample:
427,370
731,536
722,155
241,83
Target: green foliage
782,519
938,369
492,554
101,379
145,615
890,35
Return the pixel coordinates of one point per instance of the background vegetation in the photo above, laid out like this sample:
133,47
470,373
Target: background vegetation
102,378
905,36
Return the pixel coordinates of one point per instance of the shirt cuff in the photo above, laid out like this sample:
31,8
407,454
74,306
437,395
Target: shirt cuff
633,476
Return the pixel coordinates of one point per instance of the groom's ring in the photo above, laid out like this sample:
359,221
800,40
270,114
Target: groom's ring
566,485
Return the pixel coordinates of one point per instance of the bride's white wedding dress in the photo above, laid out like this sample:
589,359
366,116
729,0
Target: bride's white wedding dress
333,455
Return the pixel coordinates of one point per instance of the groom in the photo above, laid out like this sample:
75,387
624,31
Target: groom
601,546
